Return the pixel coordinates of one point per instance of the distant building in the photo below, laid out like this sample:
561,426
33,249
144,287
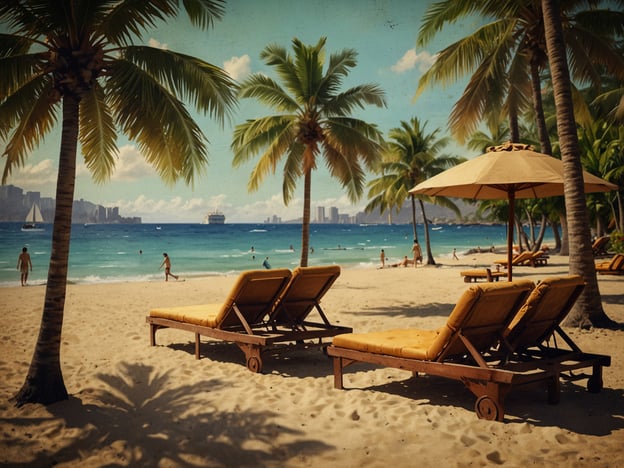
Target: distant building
15,204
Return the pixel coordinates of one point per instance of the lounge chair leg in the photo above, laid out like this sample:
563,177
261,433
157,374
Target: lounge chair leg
153,329
338,373
197,345
594,383
554,390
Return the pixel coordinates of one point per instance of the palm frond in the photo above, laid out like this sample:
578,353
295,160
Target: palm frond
269,92
97,134
31,115
151,115
128,19
208,87
357,97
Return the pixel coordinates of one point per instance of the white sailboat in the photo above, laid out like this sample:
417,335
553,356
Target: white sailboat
34,216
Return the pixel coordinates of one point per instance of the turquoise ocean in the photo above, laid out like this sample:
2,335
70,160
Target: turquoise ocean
103,253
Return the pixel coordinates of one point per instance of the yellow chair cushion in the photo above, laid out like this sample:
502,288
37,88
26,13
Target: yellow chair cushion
200,314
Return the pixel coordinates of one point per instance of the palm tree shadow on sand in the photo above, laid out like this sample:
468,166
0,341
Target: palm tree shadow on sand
140,419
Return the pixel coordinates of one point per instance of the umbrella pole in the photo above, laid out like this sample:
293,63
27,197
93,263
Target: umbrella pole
510,230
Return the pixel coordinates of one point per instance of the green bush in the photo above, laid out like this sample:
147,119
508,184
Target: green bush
617,241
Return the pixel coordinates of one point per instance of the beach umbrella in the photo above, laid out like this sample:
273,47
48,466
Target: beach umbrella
508,172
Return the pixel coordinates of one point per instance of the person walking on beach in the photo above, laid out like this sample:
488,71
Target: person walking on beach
23,264
167,263
455,254
416,250
382,258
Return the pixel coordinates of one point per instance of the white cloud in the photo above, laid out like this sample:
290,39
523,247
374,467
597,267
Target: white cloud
131,165
411,59
154,43
238,67
40,177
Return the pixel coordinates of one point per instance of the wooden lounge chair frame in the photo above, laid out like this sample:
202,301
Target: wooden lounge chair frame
615,266
475,369
252,326
516,260
599,246
486,274
531,337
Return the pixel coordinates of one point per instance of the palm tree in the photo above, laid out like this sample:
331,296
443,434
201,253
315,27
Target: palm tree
411,157
77,57
313,120
588,309
508,56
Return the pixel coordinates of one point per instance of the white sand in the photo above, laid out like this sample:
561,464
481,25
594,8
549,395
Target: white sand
135,405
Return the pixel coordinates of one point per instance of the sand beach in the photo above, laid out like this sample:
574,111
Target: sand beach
135,405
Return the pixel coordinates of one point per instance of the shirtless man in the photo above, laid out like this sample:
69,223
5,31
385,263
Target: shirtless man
23,263
167,264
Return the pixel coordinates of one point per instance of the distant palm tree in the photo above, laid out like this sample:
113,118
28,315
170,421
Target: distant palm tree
588,308
313,119
412,156
76,58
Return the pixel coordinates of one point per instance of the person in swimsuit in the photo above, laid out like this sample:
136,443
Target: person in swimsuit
167,264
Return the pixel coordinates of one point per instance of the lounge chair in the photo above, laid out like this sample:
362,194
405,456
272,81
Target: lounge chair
530,337
459,350
536,259
599,246
265,309
486,274
518,259
240,318
615,266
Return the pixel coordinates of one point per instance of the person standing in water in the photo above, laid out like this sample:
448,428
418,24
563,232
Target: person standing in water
167,264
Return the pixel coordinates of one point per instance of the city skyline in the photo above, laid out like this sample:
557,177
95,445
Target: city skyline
383,34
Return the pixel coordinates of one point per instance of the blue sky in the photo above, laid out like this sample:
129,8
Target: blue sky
383,32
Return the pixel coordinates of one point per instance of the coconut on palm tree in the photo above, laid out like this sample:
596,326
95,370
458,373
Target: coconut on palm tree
312,121
76,61
412,156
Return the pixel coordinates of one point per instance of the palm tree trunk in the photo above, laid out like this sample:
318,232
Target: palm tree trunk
514,127
44,381
305,225
588,308
556,236
538,107
413,200
430,259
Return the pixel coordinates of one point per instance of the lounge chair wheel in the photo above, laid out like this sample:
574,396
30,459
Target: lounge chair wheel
487,408
254,364
594,384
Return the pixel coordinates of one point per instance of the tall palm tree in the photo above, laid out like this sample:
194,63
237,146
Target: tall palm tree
507,55
313,120
588,309
412,156
76,58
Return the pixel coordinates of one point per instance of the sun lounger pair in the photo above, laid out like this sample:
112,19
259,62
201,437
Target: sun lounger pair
526,258
615,266
265,309
485,274
495,339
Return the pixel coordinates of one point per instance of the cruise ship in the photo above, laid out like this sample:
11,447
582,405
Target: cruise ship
215,217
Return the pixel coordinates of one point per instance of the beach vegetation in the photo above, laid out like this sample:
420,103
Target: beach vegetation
588,309
83,64
509,55
312,121
412,155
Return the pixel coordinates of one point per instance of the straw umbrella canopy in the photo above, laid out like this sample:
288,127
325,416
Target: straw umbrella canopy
507,171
